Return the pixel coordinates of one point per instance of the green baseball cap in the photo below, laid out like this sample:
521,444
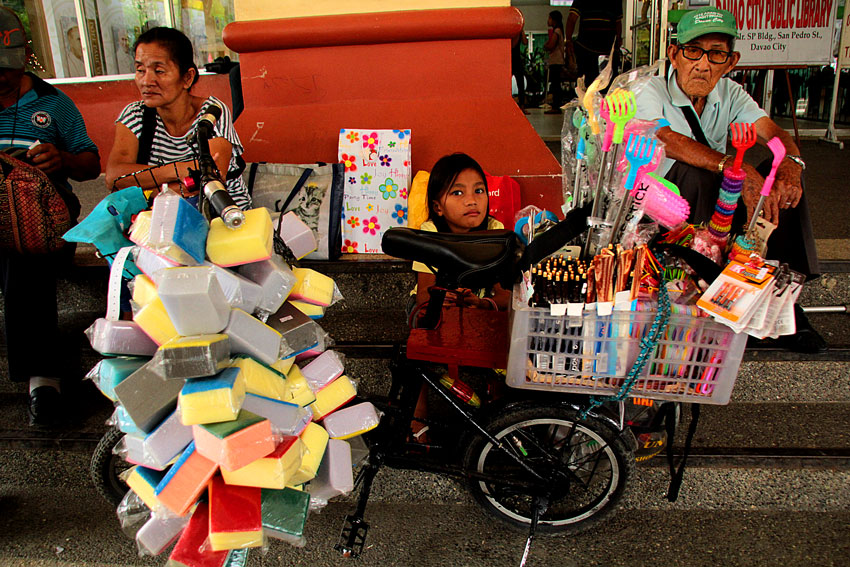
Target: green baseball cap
13,52
704,21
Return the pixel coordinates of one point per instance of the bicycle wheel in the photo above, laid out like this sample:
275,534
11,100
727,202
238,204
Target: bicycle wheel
584,463
106,466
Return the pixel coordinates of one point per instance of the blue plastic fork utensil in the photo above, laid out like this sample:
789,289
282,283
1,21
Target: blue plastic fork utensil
639,152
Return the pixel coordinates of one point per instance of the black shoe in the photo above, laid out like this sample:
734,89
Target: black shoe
45,406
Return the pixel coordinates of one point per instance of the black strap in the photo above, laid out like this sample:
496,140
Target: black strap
574,223
296,188
693,122
146,137
252,175
676,475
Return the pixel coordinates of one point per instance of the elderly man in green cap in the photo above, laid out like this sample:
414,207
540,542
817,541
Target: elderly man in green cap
699,103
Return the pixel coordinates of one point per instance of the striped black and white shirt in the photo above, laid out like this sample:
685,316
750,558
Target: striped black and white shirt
167,148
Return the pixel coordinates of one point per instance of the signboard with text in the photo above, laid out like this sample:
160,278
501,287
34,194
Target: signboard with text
775,33
844,48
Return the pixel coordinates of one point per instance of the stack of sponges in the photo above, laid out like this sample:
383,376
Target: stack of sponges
228,438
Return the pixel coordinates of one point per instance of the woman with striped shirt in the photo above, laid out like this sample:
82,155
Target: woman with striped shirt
165,74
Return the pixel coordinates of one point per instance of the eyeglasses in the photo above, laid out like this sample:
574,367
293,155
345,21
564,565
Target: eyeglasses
695,53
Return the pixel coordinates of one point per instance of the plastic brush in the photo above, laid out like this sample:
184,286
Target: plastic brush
639,151
778,149
743,138
622,107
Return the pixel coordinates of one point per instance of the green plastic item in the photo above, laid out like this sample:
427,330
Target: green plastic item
284,513
622,107
668,184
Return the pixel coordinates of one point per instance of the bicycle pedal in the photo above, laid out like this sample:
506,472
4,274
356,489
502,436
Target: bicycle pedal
353,536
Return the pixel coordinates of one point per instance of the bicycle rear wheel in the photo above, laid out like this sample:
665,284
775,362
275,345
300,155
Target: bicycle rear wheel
106,466
585,464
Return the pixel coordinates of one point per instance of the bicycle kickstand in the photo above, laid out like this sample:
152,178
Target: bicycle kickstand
354,528
539,505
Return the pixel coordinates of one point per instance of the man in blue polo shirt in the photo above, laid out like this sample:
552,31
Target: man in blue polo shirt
40,125
700,104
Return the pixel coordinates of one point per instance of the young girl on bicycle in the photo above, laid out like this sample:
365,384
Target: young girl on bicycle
458,202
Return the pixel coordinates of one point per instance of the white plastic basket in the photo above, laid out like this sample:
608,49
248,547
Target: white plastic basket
696,359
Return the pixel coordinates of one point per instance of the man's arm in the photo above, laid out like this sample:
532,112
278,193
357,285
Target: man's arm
788,185
79,167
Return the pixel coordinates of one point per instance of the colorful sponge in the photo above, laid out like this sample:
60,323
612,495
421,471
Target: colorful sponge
315,441
194,300
239,290
194,356
335,395
295,233
212,400
155,322
297,389
260,379
120,337
143,481
285,513
191,549
286,418
250,242
159,531
274,277
234,444
167,441
308,309
323,370
151,263
235,516
178,230
297,331
248,335
351,421
335,475
283,365
140,231
272,471
147,397
144,290
312,287
185,481
111,371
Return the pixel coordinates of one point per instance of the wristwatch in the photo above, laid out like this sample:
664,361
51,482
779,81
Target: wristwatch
798,160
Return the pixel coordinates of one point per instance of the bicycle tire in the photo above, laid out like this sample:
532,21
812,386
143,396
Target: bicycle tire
596,454
106,466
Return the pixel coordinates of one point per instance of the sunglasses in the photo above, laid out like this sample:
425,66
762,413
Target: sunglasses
695,53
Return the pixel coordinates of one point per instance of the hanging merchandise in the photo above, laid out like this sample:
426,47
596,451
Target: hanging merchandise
377,181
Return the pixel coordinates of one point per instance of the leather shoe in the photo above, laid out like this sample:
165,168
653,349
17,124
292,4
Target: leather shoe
45,406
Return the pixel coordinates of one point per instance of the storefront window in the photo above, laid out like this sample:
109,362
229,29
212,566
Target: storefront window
97,40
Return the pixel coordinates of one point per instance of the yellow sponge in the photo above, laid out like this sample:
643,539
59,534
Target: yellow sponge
315,441
143,481
298,389
260,379
154,321
312,287
284,364
140,232
333,396
212,400
251,242
273,471
144,290
310,310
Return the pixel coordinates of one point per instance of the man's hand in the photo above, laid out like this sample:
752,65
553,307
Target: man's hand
787,185
45,157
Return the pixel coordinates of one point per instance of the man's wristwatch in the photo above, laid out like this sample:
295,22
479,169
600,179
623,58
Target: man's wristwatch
798,160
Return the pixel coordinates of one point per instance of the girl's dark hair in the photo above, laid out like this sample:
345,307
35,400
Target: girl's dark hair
176,43
443,176
558,18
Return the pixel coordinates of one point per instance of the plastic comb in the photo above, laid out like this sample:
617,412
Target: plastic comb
743,138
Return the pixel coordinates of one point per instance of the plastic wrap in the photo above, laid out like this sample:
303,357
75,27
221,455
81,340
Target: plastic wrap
193,299
211,400
234,444
297,389
322,342
195,356
153,319
191,548
239,291
140,231
178,230
297,331
111,371
313,287
315,441
308,309
259,378
636,79
275,470
166,442
250,336
150,263
147,397
286,418
131,512
285,514
297,236
274,277
236,520
335,476
333,396
161,529
143,482
120,338
142,290
122,420
323,369
351,421
131,448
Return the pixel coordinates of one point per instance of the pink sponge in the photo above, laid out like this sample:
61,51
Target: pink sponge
234,444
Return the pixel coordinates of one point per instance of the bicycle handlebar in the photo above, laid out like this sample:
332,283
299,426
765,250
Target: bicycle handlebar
212,187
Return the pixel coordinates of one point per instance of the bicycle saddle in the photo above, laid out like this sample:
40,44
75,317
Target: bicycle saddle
473,260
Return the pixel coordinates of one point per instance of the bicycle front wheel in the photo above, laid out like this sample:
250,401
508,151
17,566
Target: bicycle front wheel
584,463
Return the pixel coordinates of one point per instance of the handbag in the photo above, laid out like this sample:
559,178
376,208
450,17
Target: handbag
34,212
314,192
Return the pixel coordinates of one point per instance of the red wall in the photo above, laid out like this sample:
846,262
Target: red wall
101,102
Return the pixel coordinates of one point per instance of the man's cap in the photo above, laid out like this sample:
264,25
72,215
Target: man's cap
704,21
13,41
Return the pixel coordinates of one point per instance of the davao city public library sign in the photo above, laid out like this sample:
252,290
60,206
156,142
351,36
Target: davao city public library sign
774,33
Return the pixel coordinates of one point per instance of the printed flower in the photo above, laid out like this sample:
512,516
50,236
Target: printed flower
350,162
352,180
371,226
366,179
391,144
400,214
353,136
385,160
353,222
401,133
371,140
403,193
349,247
389,189
370,207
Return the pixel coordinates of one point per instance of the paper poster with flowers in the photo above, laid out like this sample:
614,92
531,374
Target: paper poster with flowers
377,179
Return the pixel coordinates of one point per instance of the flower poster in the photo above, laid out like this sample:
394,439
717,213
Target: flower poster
377,179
